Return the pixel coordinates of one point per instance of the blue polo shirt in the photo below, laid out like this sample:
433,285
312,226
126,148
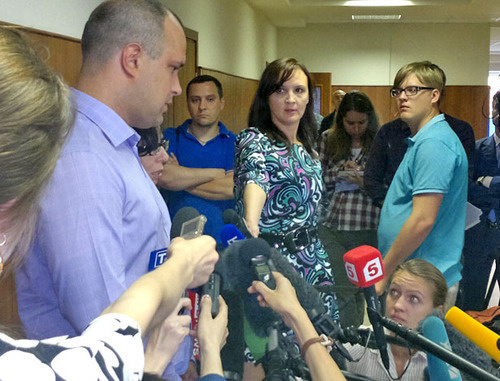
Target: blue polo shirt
216,153
435,162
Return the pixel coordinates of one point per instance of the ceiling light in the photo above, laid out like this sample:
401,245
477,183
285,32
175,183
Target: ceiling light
378,3
376,17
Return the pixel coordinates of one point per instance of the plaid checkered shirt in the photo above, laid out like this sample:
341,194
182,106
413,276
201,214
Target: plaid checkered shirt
345,209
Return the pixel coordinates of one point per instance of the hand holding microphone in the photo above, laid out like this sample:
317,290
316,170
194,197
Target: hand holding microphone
282,299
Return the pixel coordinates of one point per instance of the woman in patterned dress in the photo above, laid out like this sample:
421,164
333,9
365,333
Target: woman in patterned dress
277,178
348,217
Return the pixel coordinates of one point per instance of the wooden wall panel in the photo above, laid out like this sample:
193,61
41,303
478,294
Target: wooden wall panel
324,80
238,95
469,103
178,111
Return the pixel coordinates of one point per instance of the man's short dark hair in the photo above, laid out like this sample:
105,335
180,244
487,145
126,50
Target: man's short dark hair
116,23
203,79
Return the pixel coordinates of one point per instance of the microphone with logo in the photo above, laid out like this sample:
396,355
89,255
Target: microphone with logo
364,268
230,217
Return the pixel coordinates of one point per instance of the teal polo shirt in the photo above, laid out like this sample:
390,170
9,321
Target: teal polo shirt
435,162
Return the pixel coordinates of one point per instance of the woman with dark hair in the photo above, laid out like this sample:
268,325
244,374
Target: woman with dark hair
349,218
277,178
152,150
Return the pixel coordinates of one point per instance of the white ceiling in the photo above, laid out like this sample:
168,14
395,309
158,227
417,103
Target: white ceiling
299,13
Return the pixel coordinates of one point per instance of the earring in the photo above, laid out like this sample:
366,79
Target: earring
2,242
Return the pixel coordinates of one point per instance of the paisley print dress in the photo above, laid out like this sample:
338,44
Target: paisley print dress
293,184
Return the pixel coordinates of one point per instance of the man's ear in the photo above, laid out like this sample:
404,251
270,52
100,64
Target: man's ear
436,95
131,56
222,104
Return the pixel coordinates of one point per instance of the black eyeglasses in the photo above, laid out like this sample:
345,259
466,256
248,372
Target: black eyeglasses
409,91
152,149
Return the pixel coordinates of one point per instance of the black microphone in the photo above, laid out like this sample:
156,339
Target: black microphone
255,252
231,217
240,277
422,343
232,354
311,301
214,286
183,215
364,268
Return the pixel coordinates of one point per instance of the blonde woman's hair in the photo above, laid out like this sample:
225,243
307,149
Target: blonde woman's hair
35,117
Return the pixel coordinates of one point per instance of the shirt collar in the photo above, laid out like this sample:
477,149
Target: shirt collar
420,134
109,122
223,131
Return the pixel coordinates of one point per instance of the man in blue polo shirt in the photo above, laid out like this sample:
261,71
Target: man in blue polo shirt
200,172
423,215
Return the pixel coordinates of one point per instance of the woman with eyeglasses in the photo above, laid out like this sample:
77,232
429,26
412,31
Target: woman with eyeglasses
152,149
348,216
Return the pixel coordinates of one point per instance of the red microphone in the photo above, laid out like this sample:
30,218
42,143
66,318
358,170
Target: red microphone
364,268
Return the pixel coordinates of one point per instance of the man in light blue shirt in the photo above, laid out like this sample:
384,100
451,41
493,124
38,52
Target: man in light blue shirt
102,216
423,215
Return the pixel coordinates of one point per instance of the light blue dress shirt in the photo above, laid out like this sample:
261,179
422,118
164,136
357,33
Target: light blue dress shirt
101,217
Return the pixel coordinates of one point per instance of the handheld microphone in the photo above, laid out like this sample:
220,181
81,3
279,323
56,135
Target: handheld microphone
256,255
476,332
433,329
241,277
311,302
186,214
214,286
231,217
183,215
229,234
364,268
422,343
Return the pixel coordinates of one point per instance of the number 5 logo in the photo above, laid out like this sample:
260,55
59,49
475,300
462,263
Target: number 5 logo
351,272
373,269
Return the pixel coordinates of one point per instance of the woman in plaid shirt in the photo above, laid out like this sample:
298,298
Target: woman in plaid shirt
349,218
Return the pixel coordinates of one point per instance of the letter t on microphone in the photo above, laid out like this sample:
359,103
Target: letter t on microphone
364,268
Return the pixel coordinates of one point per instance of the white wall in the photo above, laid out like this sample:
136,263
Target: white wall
233,38
66,17
371,54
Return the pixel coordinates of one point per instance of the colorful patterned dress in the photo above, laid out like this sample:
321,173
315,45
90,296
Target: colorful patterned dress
293,184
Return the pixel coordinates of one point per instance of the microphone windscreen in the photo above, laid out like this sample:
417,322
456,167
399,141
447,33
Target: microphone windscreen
184,214
229,234
232,354
240,276
433,329
307,295
251,248
363,265
476,332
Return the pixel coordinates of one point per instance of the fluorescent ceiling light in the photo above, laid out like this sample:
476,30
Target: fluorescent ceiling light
378,3
376,17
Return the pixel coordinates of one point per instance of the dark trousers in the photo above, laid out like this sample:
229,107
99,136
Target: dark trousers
350,299
480,244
